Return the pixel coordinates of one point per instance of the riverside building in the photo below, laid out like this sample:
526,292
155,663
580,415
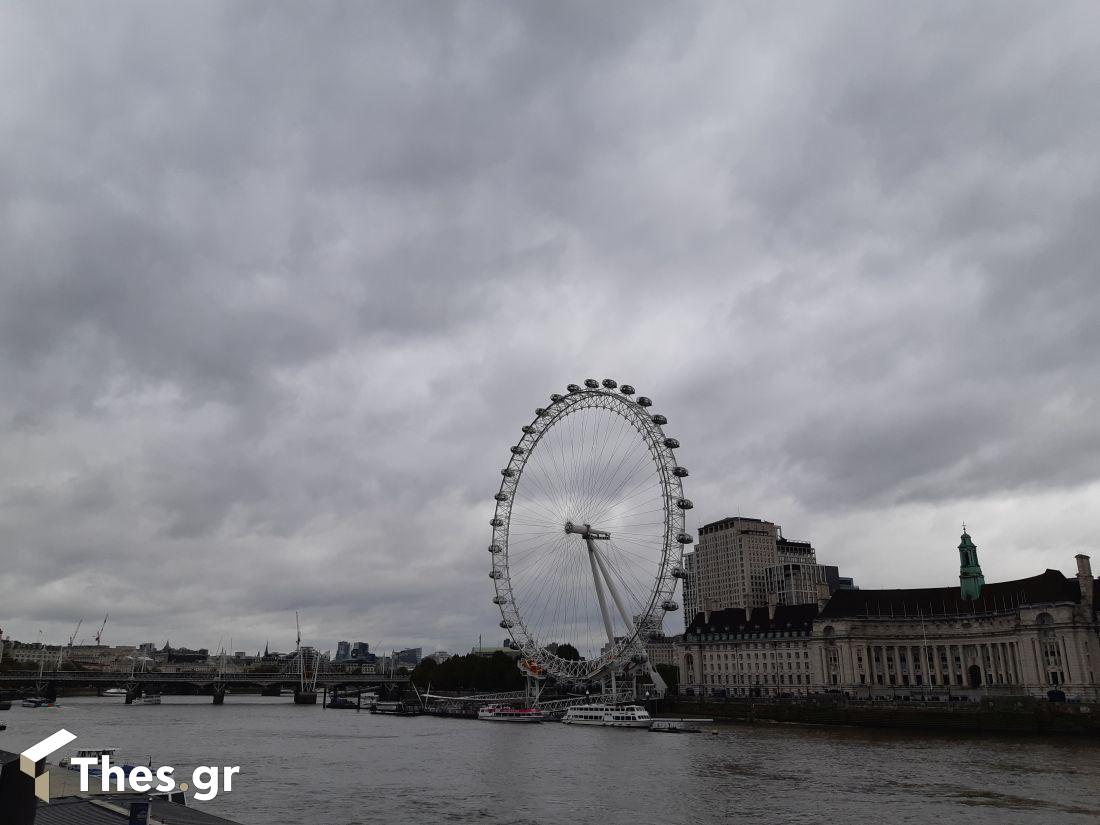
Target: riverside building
1022,637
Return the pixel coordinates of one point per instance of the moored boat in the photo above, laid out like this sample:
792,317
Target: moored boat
37,702
394,709
611,716
507,713
88,753
115,691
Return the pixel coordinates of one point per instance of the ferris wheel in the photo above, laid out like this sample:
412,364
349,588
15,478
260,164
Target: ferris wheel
588,532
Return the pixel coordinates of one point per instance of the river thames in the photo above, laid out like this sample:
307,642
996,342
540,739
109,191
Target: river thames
337,767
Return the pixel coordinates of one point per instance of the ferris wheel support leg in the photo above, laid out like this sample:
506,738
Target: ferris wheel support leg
627,622
592,557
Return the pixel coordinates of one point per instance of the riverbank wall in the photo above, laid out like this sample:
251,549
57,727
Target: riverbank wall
1002,714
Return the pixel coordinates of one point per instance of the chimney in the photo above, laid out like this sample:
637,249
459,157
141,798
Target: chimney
1084,578
18,803
773,602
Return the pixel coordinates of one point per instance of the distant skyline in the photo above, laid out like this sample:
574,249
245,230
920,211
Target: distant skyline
279,285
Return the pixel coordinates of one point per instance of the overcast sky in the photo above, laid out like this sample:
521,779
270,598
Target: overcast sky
279,284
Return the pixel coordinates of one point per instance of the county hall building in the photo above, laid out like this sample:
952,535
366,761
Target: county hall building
1023,637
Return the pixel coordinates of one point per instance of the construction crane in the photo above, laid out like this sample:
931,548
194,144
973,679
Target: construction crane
61,651
99,635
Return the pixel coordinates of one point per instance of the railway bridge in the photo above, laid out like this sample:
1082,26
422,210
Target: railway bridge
46,683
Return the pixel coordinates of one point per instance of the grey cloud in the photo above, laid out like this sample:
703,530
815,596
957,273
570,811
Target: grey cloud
277,290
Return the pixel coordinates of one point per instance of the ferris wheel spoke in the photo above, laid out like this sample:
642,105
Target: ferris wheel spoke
608,491
550,480
638,486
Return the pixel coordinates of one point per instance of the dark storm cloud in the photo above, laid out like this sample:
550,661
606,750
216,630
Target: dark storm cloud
277,290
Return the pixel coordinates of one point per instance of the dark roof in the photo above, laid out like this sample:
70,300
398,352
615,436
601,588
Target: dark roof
728,519
1050,586
735,620
77,810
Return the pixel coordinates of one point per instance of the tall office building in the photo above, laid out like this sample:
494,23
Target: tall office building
746,563
796,577
729,565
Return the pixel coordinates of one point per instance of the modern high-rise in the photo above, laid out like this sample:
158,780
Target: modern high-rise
729,565
796,577
742,562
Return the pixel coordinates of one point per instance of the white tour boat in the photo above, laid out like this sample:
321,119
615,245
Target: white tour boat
115,691
612,716
506,713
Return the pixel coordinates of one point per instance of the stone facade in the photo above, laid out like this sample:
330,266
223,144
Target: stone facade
1023,637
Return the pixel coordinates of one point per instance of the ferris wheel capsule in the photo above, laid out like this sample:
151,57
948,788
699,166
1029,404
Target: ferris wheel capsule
610,383
495,548
496,522
556,397
499,600
660,419
671,443
669,605
540,412
501,496
573,388
495,574
507,624
684,538
518,450
626,389
591,383
678,572
507,472
684,503
644,402
680,472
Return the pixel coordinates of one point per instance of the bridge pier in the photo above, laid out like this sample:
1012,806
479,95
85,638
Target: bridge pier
271,690
132,694
219,695
305,697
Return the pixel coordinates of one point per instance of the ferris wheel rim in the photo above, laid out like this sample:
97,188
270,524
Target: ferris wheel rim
648,427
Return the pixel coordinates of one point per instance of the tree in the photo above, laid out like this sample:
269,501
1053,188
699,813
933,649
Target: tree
472,672
568,652
671,675
422,673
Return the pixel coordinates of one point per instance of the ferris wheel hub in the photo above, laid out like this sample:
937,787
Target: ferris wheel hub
586,531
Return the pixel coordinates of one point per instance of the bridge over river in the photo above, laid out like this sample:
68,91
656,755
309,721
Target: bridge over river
46,683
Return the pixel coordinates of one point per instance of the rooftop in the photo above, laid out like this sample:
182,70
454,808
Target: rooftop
1048,587
737,620
115,810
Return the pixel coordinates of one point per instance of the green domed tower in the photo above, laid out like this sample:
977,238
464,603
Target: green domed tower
970,572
